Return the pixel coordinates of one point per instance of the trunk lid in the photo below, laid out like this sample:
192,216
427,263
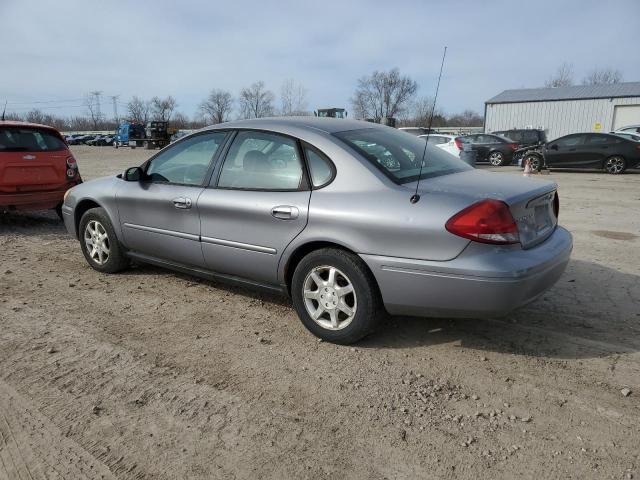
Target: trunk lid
531,201
31,159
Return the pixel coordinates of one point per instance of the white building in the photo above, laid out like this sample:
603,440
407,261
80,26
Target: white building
564,110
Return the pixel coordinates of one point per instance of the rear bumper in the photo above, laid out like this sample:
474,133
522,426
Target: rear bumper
482,281
33,200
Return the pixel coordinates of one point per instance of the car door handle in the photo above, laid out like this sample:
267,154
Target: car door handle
285,212
182,202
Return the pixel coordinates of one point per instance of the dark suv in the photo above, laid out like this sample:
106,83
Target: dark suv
524,136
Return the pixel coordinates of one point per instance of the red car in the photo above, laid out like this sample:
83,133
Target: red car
36,167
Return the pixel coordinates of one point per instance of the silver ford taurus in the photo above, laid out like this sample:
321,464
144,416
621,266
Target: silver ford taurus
320,209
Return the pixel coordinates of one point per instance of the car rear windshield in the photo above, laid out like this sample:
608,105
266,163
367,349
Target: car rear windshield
398,155
20,139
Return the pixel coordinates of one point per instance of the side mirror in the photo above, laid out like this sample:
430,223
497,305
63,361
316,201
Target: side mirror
133,174
554,147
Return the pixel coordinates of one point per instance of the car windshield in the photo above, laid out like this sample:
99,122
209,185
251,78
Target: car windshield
19,139
398,155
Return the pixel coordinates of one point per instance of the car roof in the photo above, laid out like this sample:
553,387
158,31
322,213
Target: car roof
17,123
326,125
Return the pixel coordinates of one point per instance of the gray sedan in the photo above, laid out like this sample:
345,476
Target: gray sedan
320,209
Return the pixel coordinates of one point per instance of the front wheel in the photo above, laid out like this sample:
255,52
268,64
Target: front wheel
99,243
615,165
336,296
535,162
496,159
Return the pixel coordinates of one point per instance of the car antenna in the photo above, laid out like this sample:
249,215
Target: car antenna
4,110
415,198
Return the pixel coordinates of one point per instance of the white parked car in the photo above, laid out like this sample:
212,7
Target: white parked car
445,142
629,129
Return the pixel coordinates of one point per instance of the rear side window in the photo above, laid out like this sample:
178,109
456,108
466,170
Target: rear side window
602,140
320,167
262,161
18,139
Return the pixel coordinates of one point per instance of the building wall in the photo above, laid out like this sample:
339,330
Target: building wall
558,118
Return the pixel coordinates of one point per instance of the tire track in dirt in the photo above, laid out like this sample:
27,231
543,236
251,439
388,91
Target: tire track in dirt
32,448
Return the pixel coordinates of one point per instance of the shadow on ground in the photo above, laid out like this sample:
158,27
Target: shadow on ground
592,311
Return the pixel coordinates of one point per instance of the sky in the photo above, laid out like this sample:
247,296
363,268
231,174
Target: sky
53,53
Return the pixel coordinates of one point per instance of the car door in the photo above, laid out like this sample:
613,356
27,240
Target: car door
159,214
565,152
483,145
256,205
598,147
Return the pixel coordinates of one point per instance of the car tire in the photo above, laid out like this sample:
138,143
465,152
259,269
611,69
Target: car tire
496,159
331,320
615,165
535,162
96,229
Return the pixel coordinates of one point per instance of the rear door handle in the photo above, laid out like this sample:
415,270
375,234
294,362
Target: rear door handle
182,202
285,212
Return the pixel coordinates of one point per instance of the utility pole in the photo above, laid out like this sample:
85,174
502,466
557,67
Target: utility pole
114,99
96,95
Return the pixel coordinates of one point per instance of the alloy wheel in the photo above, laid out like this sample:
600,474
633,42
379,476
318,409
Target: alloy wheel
614,165
97,242
495,159
329,297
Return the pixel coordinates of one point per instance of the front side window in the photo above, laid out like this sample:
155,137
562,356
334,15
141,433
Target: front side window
186,162
262,161
570,141
398,155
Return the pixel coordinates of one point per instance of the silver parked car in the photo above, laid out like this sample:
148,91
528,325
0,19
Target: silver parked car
320,208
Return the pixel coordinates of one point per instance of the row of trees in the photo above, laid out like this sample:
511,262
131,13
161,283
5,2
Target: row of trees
255,101
564,76
378,95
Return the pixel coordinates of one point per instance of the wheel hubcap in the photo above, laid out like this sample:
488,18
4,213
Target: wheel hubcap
97,242
615,165
495,158
329,297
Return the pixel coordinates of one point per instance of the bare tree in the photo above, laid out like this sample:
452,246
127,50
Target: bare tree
180,120
562,78
138,110
162,108
468,118
217,107
602,76
293,97
419,113
35,116
383,94
256,101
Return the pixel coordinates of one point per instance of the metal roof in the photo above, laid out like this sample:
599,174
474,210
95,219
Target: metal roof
578,92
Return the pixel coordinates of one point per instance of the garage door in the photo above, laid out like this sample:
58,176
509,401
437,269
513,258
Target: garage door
624,115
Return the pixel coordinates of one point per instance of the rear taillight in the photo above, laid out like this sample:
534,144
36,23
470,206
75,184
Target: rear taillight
458,143
72,168
556,205
488,221
513,146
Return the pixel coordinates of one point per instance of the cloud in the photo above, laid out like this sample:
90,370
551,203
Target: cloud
62,50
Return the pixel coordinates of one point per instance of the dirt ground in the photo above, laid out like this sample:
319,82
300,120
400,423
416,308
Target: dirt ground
152,374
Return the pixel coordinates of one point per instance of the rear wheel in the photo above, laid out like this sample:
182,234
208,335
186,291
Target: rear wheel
496,159
615,165
336,296
99,243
